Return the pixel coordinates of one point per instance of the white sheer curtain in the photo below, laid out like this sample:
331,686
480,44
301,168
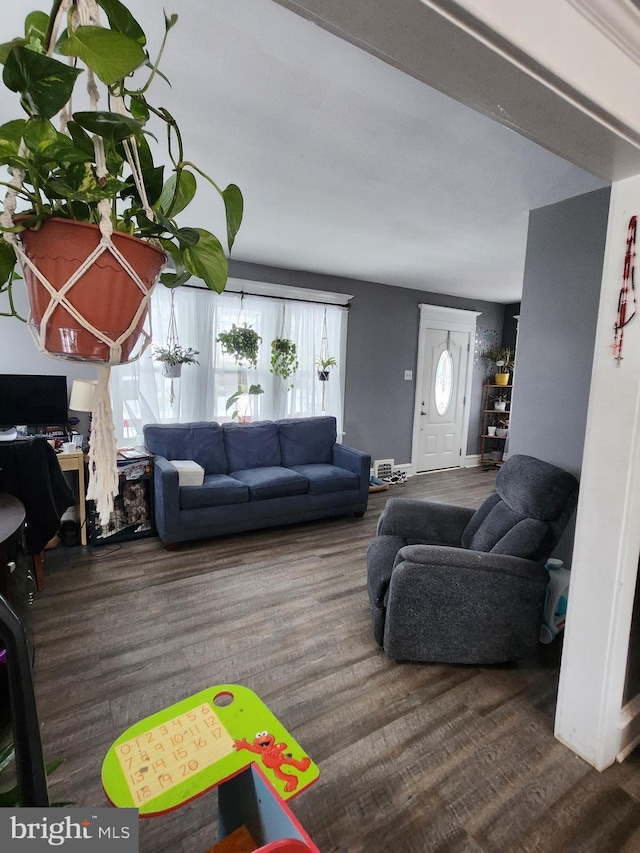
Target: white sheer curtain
140,394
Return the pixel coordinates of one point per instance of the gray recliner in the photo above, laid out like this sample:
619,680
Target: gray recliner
456,585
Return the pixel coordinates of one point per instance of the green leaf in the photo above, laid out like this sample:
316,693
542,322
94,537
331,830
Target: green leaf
10,798
36,26
207,261
109,54
170,22
81,138
138,109
121,19
45,84
111,126
10,136
234,206
172,279
188,237
5,48
39,134
7,753
178,192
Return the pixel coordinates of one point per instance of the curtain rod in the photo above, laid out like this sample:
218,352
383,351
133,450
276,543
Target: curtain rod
242,293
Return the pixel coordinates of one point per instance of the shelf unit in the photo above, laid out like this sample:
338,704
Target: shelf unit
133,512
492,446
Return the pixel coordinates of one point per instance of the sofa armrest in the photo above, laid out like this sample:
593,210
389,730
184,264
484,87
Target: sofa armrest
424,520
353,460
166,485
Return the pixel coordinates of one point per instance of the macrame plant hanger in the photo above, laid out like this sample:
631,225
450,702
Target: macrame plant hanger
173,341
103,473
324,352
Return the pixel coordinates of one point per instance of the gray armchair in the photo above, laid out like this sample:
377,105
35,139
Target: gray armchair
457,585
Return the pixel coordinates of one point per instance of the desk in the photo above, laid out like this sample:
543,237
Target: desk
75,462
224,737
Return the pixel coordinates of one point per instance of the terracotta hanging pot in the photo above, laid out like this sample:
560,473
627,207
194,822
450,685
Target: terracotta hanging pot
105,294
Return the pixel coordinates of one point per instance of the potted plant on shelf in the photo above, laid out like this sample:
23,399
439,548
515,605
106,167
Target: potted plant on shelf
502,359
324,364
242,343
284,360
93,188
173,357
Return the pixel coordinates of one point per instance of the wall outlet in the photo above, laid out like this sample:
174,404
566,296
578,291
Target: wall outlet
408,374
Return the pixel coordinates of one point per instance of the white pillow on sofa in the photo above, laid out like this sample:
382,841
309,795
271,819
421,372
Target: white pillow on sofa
189,472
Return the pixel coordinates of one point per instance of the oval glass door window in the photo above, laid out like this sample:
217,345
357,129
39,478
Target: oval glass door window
444,382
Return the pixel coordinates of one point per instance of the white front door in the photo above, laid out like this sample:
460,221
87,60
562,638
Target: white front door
443,372
443,386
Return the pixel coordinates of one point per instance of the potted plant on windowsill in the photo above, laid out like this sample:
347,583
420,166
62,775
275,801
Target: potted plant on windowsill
94,187
250,393
324,365
173,357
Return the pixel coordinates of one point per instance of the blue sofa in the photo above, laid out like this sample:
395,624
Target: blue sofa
260,474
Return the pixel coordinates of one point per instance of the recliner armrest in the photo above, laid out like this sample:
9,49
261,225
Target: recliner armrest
424,520
462,558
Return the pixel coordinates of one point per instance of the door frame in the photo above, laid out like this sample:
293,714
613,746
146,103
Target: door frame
447,319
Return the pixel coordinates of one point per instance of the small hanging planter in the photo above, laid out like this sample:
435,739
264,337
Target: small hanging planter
100,314
172,355
323,375
172,371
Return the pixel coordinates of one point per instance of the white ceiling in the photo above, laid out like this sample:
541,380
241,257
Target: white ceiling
348,165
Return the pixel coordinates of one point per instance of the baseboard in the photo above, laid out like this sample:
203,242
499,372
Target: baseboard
470,461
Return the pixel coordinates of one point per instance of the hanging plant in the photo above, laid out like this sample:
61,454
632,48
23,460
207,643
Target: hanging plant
99,168
96,178
242,343
284,360
324,365
176,355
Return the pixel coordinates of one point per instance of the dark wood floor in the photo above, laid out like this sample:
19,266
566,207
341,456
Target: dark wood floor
413,757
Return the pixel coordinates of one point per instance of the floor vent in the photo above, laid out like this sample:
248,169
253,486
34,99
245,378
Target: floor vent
382,468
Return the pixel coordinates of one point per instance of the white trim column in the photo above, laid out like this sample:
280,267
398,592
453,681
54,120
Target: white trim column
589,717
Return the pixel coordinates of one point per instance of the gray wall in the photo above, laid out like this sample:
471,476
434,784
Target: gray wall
382,343
558,314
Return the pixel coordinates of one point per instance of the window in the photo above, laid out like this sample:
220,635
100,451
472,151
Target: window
140,393
444,382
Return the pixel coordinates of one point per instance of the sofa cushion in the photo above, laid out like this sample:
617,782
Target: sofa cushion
271,482
201,441
252,445
307,440
325,479
217,490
